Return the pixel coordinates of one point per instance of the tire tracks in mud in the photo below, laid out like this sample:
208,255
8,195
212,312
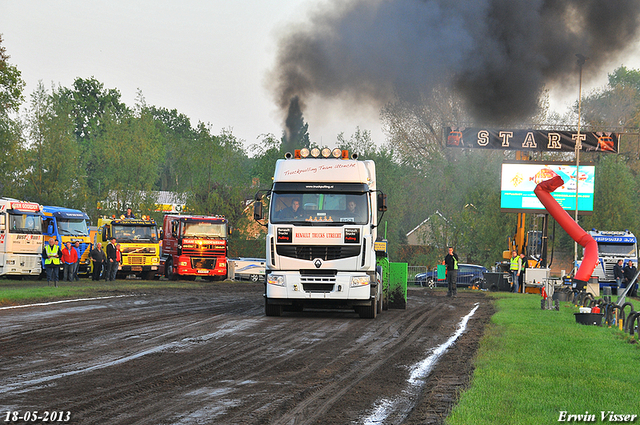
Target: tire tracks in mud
213,357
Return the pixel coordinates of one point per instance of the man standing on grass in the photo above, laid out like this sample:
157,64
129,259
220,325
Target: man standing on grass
112,260
69,258
98,259
52,261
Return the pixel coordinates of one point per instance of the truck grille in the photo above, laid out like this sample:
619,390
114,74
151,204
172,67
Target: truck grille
318,283
136,260
203,263
311,252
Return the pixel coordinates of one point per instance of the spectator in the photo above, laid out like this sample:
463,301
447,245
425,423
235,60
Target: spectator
629,274
112,262
524,264
98,260
51,254
76,246
514,268
618,273
69,258
118,255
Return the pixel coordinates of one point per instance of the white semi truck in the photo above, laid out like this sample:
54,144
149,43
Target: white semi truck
321,229
613,245
21,239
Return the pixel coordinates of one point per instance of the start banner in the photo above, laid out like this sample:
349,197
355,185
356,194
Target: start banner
530,140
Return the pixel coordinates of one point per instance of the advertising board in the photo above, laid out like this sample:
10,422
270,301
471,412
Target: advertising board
519,179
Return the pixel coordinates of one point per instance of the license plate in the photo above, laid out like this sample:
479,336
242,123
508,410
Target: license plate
203,271
136,268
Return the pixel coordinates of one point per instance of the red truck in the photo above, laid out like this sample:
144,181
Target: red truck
194,246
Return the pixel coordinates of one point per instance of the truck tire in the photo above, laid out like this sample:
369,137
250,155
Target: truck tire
272,309
369,311
168,270
254,277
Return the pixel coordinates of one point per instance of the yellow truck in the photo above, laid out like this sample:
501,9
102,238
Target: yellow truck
139,244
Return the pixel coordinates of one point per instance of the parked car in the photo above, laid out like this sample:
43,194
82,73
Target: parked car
468,275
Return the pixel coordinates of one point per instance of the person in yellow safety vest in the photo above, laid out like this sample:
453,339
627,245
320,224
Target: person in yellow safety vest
52,261
514,268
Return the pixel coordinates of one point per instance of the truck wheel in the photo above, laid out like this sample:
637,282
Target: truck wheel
254,277
271,309
168,270
369,311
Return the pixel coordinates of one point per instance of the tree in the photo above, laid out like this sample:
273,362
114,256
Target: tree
11,87
52,173
126,157
297,135
266,153
177,137
214,171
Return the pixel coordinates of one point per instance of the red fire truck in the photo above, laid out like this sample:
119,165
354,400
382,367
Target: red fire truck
194,246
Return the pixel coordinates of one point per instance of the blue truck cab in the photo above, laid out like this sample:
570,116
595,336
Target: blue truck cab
68,225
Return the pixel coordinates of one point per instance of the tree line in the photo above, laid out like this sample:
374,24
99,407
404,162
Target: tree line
80,146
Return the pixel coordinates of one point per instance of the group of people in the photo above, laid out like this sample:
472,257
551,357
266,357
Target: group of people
518,265
624,276
68,257
105,266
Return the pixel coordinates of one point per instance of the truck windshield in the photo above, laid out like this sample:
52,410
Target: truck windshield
25,223
319,207
205,229
617,250
72,227
123,234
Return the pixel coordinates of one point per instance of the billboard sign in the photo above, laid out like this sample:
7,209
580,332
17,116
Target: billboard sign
519,179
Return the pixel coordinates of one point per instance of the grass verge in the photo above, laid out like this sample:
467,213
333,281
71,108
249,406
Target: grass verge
534,364
27,292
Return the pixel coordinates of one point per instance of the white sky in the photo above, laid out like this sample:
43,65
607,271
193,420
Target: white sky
207,59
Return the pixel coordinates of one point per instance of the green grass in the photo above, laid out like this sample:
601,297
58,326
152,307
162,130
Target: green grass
533,363
14,292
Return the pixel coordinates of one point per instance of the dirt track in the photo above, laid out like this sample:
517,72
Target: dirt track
211,356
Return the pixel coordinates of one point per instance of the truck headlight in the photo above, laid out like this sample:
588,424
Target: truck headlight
359,281
275,279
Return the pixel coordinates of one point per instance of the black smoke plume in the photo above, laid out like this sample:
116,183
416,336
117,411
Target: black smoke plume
497,54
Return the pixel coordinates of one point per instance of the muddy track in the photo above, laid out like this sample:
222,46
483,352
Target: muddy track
211,356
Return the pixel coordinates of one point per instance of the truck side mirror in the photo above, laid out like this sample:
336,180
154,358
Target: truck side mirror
257,211
50,229
382,202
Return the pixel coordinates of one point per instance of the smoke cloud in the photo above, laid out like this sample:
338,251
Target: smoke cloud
497,54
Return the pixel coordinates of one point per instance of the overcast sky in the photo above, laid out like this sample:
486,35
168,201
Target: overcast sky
207,59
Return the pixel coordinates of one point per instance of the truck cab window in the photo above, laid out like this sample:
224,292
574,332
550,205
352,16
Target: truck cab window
325,207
